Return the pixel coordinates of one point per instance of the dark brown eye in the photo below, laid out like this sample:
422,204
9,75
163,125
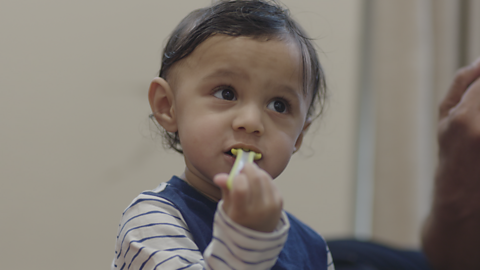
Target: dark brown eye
278,106
227,94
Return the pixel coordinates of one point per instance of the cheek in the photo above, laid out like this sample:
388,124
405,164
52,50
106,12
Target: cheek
278,167
199,133
281,152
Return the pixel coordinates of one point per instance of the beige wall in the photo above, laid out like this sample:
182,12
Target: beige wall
76,143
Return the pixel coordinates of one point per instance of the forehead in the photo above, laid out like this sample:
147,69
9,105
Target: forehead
269,61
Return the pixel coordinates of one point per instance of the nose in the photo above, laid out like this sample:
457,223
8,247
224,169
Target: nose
249,119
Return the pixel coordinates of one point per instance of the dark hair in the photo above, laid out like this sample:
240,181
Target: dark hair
250,18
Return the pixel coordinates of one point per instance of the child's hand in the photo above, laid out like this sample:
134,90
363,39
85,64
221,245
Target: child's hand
254,201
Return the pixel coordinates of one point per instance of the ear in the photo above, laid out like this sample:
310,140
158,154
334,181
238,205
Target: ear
299,141
161,99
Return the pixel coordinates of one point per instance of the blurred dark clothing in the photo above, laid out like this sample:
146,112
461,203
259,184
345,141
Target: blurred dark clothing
361,255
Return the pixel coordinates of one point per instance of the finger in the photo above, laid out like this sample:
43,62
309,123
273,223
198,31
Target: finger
221,181
240,191
472,95
264,192
463,79
270,195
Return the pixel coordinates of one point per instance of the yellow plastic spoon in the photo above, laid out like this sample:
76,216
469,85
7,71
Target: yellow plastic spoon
242,159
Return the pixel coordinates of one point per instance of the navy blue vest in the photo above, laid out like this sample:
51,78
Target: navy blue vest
304,249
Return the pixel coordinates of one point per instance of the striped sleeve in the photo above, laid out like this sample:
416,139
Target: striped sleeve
330,265
153,235
237,247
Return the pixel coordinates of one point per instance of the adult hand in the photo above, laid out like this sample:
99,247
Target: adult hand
451,235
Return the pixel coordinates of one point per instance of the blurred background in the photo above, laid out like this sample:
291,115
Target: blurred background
76,144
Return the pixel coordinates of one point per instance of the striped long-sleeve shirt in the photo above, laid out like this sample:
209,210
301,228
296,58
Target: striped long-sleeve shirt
175,227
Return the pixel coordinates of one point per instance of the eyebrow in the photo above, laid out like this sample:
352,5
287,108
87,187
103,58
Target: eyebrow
289,91
226,72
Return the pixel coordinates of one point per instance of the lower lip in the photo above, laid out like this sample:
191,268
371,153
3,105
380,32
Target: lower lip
231,159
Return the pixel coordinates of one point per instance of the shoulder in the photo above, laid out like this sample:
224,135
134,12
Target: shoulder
178,194
148,203
148,210
171,196
150,217
174,202
150,226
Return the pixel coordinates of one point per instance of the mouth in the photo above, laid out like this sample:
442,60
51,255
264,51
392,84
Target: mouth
229,153
233,152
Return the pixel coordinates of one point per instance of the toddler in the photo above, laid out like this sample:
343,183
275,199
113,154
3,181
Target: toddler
238,74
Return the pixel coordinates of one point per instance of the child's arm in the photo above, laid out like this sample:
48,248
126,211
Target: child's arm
236,247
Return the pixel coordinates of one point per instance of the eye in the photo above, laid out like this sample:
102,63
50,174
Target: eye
278,106
225,93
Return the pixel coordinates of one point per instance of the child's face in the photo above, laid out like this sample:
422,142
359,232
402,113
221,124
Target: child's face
238,92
